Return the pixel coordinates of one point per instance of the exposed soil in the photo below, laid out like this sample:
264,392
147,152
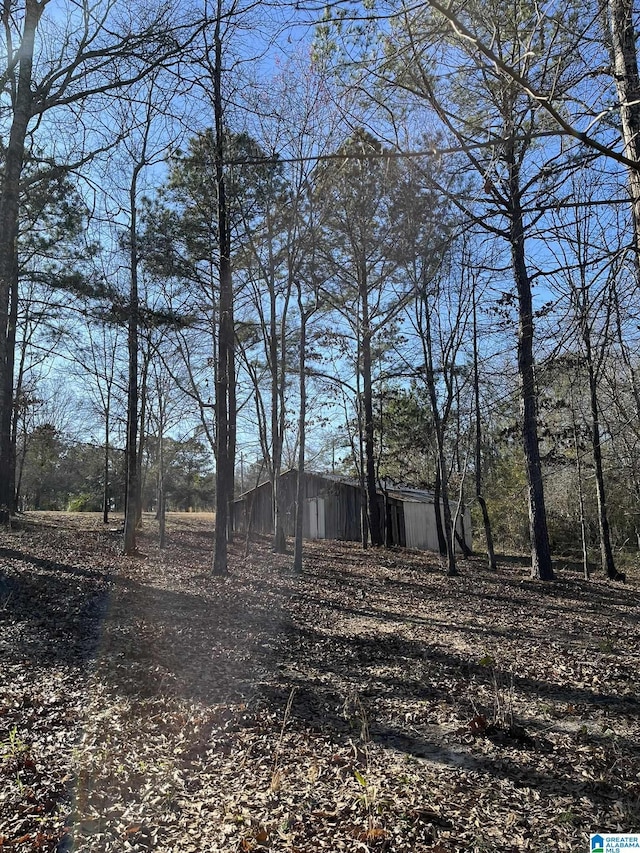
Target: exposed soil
369,704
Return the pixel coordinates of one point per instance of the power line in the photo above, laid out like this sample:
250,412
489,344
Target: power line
433,151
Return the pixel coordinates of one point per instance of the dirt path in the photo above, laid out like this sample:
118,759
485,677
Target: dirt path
370,704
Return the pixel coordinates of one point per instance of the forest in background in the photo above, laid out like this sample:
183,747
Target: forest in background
394,240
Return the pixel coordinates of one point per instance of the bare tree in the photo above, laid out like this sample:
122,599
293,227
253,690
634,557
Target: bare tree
590,267
93,56
98,361
358,194
143,152
494,125
441,316
478,437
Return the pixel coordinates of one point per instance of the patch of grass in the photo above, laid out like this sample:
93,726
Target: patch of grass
13,746
567,817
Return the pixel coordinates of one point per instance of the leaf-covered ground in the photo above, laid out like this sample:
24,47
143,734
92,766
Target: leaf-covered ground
369,704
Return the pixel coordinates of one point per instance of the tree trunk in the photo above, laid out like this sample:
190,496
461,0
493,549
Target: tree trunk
162,500
279,539
461,535
142,436
20,467
488,535
606,551
627,80
364,515
232,432
11,350
541,566
302,435
224,464
437,500
442,474
132,490
15,419
105,487
452,569
162,523
375,525
583,523
9,207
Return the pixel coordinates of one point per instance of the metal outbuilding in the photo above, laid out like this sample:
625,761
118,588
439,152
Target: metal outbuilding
333,510
419,514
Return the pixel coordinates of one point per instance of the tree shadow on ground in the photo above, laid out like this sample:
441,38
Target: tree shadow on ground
246,639
52,610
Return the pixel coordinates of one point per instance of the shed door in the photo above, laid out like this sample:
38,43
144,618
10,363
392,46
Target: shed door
316,518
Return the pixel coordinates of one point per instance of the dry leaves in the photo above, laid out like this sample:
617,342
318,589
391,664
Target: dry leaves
370,704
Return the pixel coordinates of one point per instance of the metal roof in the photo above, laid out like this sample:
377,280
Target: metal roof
397,492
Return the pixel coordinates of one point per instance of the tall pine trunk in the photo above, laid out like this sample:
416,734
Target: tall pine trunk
13,157
302,435
225,366
133,506
279,539
106,495
133,471
375,524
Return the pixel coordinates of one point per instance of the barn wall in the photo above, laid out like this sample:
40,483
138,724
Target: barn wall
258,505
421,530
342,504
348,501
395,522
420,526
